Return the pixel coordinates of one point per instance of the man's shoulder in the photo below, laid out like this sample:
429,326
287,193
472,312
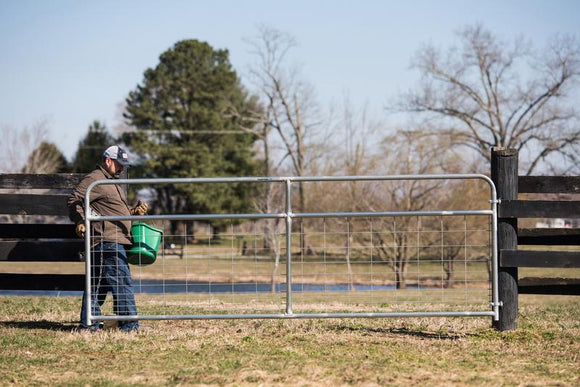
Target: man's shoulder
96,174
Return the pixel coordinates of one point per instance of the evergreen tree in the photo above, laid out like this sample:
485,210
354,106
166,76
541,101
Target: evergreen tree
91,148
182,113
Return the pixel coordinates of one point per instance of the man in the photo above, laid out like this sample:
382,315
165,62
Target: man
109,268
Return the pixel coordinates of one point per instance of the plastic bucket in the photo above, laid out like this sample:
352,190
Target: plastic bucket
146,241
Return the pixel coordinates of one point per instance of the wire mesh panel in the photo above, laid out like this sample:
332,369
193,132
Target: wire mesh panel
199,270
281,264
393,264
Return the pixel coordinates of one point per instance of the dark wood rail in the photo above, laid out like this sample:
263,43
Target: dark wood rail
35,228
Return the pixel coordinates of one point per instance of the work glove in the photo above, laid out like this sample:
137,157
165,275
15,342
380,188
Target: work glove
80,230
140,209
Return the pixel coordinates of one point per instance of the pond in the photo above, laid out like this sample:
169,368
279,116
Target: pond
161,287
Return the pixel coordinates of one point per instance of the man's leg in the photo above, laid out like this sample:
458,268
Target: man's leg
118,276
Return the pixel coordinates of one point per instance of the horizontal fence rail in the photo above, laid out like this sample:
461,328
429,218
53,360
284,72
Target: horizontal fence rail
345,273
39,249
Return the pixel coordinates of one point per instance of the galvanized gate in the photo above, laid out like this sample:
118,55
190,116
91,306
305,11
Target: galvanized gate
281,264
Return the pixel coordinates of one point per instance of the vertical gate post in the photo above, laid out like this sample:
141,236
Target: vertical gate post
504,174
288,183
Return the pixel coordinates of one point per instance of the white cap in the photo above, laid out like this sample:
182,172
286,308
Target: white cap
115,152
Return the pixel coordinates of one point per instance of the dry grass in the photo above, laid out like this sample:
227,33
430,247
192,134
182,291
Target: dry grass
40,348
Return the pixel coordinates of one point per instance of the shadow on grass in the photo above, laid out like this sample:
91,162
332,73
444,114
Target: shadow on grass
402,331
426,335
43,324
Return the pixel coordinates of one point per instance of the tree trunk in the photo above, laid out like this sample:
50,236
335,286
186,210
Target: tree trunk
215,235
401,262
449,270
274,280
400,282
347,256
302,204
189,231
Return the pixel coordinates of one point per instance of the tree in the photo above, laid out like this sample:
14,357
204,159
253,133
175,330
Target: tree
291,111
351,154
91,148
487,93
460,237
17,145
408,152
355,155
47,158
183,128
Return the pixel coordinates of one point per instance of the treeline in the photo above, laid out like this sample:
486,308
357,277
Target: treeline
192,116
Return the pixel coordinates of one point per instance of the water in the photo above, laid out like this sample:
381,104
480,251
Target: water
161,287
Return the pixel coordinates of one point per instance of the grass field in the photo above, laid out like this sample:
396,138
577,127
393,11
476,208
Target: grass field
38,346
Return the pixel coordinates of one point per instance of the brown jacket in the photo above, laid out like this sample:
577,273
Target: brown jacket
105,200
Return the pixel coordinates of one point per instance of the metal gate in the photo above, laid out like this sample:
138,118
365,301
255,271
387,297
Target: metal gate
281,264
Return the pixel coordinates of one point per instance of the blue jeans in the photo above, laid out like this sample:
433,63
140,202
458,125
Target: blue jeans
110,273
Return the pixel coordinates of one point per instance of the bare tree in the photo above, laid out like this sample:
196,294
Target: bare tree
488,93
17,145
461,237
407,152
352,154
272,198
274,229
290,109
356,155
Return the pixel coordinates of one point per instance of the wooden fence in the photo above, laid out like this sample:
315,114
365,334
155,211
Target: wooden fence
539,244
34,227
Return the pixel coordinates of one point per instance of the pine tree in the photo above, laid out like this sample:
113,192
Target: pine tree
47,158
91,148
184,128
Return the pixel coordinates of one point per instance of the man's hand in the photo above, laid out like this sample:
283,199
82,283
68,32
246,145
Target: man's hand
140,209
80,230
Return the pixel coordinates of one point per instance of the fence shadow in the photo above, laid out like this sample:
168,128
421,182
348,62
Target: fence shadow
42,324
402,332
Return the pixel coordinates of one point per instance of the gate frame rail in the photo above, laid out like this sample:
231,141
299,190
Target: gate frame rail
288,215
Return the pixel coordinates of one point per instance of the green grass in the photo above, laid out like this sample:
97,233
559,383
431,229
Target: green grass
39,347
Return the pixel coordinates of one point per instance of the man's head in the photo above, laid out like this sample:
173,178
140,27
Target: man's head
115,159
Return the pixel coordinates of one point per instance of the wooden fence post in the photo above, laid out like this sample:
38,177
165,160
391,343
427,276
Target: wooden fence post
504,173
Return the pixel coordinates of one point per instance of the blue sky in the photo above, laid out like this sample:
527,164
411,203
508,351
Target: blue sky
71,62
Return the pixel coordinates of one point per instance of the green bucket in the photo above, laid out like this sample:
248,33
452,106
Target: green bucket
146,241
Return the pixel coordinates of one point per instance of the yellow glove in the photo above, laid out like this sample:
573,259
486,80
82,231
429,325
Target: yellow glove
140,209
80,230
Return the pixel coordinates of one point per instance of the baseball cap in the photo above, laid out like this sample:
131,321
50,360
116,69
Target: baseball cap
115,152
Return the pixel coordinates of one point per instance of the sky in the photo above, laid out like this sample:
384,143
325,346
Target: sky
68,63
